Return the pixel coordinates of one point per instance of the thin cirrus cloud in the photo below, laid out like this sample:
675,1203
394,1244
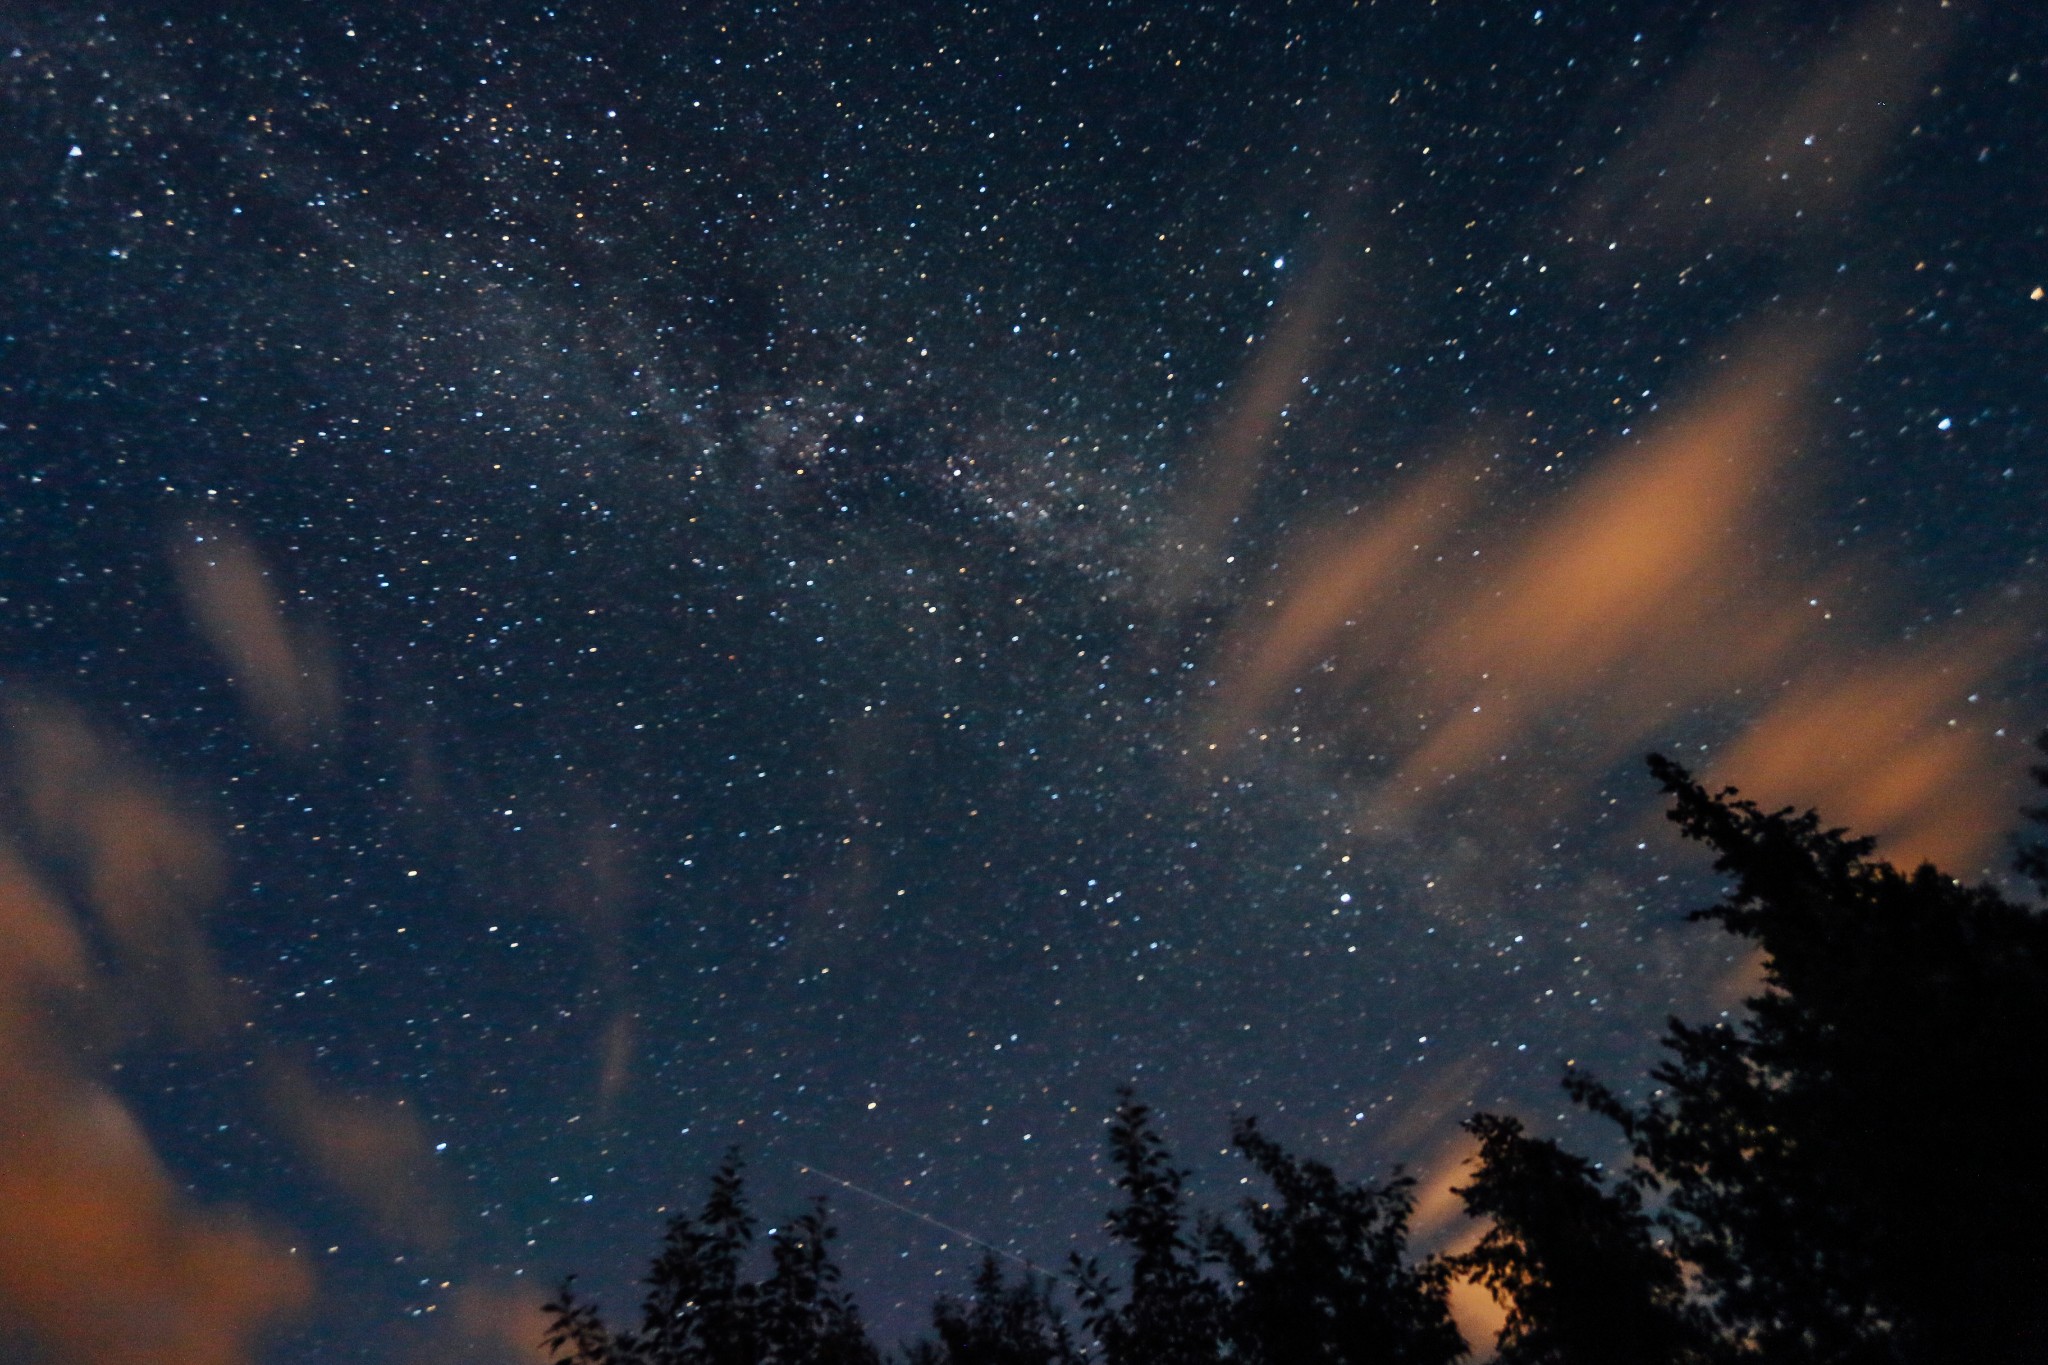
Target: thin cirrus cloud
1465,635
286,682
1469,645
1748,145
1894,743
375,1151
1231,460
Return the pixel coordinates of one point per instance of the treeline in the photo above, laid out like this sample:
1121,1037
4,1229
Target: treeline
1843,1175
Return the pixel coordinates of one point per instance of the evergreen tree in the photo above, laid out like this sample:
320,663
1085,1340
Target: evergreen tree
1575,1263
1004,1323
1172,1312
699,1309
1844,1166
1325,1276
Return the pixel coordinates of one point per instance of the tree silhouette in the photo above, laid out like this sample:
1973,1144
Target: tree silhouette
1004,1323
697,1306
699,1310
1172,1312
2033,857
1843,1171
1575,1263
805,1314
1325,1275
1844,1166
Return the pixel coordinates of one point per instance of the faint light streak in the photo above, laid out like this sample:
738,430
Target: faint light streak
885,1201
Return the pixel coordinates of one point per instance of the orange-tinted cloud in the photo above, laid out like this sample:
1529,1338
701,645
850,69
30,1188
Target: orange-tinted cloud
1893,744
103,1259
1635,579
374,1151
1337,602
143,864
1447,635
1439,1227
1478,1314
101,1253
490,1324
286,683
1520,650
45,954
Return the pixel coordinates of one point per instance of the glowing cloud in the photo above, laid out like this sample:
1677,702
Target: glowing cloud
374,1151
287,685
1634,579
103,1258
147,868
1457,642
1893,745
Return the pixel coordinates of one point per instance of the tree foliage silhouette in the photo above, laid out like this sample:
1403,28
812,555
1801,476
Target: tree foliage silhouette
1324,1276
1844,1165
699,1310
1841,1174
1004,1323
1575,1263
1172,1311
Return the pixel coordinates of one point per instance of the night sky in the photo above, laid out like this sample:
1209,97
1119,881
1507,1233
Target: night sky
583,585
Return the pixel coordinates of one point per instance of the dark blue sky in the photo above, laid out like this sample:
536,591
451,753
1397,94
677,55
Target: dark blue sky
583,586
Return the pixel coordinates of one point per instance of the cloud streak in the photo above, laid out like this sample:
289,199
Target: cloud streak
1456,649
286,682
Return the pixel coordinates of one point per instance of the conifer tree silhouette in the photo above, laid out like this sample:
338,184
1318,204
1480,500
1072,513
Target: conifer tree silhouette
699,1310
1575,1263
1324,1276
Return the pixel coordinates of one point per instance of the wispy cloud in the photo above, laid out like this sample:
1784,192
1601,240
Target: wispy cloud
1483,647
103,1256
376,1151
285,679
1752,142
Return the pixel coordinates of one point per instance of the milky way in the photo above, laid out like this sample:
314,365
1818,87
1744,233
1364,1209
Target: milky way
584,588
